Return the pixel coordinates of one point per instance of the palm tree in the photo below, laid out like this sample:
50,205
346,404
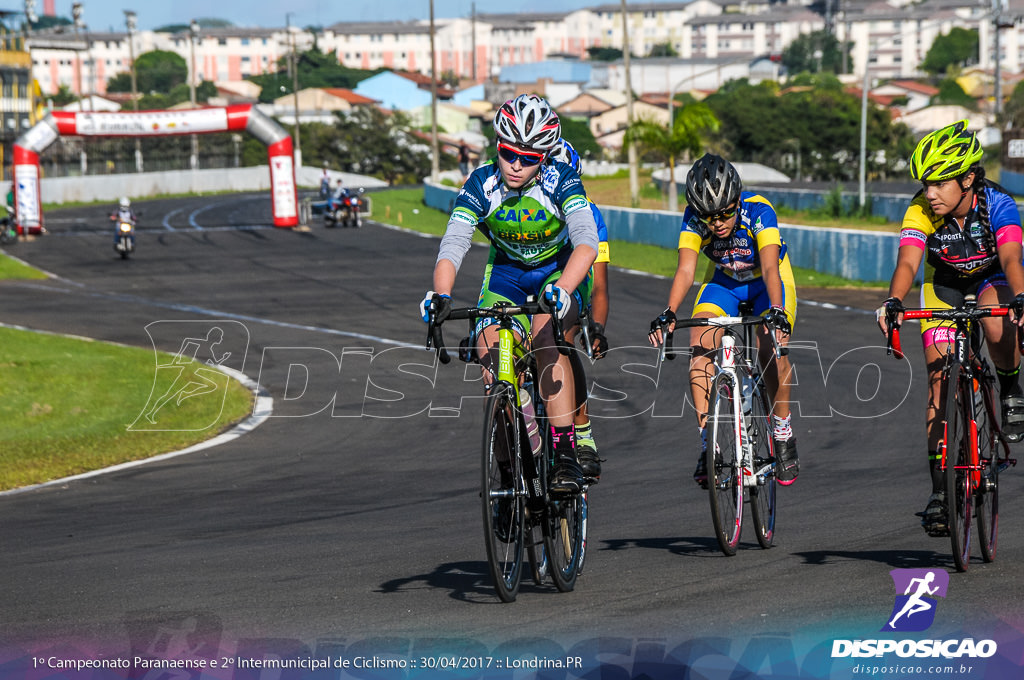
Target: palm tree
689,126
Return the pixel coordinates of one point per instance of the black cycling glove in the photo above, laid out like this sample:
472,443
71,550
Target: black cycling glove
776,318
665,318
597,336
1018,305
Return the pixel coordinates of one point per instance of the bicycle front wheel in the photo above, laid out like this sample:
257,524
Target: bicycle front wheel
762,496
501,493
725,486
958,446
563,540
987,494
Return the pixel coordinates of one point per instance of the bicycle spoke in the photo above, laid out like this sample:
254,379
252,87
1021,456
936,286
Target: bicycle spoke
762,496
724,486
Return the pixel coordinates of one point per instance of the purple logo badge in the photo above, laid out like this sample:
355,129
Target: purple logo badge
916,593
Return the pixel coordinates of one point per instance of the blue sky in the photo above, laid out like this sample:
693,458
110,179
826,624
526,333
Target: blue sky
102,15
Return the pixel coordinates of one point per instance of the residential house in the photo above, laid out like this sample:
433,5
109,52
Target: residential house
318,104
609,127
400,91
590,103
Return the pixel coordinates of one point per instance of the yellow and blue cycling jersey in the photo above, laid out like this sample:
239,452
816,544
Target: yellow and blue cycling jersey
603,252
734,271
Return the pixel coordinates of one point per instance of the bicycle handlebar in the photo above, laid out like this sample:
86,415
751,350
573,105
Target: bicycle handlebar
435,338
721,322
957,314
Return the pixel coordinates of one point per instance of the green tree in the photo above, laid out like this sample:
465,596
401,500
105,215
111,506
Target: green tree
579,135
819,122
63,96
955,49
370,142
316,69
950,92
663,50
155,72
815,52
689,126
604,53
1013,112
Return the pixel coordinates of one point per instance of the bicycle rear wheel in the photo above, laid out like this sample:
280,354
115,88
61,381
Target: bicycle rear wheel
725,487
987,494
762,496
563,540
957,445
503,502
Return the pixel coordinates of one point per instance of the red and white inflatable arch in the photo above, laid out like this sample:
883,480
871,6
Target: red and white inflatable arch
238,118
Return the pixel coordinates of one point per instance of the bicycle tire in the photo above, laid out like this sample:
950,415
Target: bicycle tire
957,445
725,488
987,494
583,549
762,496
503,500
563,540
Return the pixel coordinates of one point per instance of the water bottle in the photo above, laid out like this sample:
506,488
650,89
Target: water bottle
747,392
530,418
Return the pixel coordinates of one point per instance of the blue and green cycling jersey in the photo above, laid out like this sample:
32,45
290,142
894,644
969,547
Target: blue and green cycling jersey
529,225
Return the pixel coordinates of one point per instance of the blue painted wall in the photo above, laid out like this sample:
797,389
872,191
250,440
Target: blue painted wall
393,92
852,254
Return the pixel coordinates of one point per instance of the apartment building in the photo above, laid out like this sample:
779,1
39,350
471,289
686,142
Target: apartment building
85,61
890,38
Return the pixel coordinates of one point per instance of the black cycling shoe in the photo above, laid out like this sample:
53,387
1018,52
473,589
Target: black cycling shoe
589,462
787,464
935,517
1013,418
568,477
700,473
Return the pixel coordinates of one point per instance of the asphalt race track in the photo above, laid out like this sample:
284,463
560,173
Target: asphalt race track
350,520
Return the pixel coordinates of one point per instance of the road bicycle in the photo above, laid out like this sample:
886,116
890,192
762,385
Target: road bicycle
740,454
521,516
973,450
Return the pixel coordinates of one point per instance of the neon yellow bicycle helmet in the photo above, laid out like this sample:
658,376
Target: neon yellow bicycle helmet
946,153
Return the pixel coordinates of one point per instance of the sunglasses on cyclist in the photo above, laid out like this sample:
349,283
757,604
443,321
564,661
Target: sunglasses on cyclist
719,217
525,158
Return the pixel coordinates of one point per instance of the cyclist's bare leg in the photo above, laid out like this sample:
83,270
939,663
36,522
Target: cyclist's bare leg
557,385
1000,333
704,341
777,372
935,359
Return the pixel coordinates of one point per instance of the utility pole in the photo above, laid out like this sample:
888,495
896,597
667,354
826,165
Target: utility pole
193,30
634,180
435,161
295,88
131,22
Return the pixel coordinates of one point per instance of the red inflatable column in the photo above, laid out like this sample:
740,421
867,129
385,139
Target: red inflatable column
28,205
284,195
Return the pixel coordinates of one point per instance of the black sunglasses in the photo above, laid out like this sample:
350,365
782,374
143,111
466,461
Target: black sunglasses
721,217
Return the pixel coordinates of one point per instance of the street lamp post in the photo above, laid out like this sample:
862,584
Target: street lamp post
295,86
193,31
130,21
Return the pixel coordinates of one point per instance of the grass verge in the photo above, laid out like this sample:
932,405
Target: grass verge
11,268
68,406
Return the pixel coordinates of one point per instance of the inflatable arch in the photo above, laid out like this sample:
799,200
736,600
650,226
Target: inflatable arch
237,118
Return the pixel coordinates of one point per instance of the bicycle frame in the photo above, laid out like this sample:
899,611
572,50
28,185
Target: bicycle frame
966,354
970,479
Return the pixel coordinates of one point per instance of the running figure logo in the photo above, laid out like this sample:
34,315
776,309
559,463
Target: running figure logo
914,609
198,371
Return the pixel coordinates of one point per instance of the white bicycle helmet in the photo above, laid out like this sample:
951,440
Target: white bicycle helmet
124,202
565,152
528,121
